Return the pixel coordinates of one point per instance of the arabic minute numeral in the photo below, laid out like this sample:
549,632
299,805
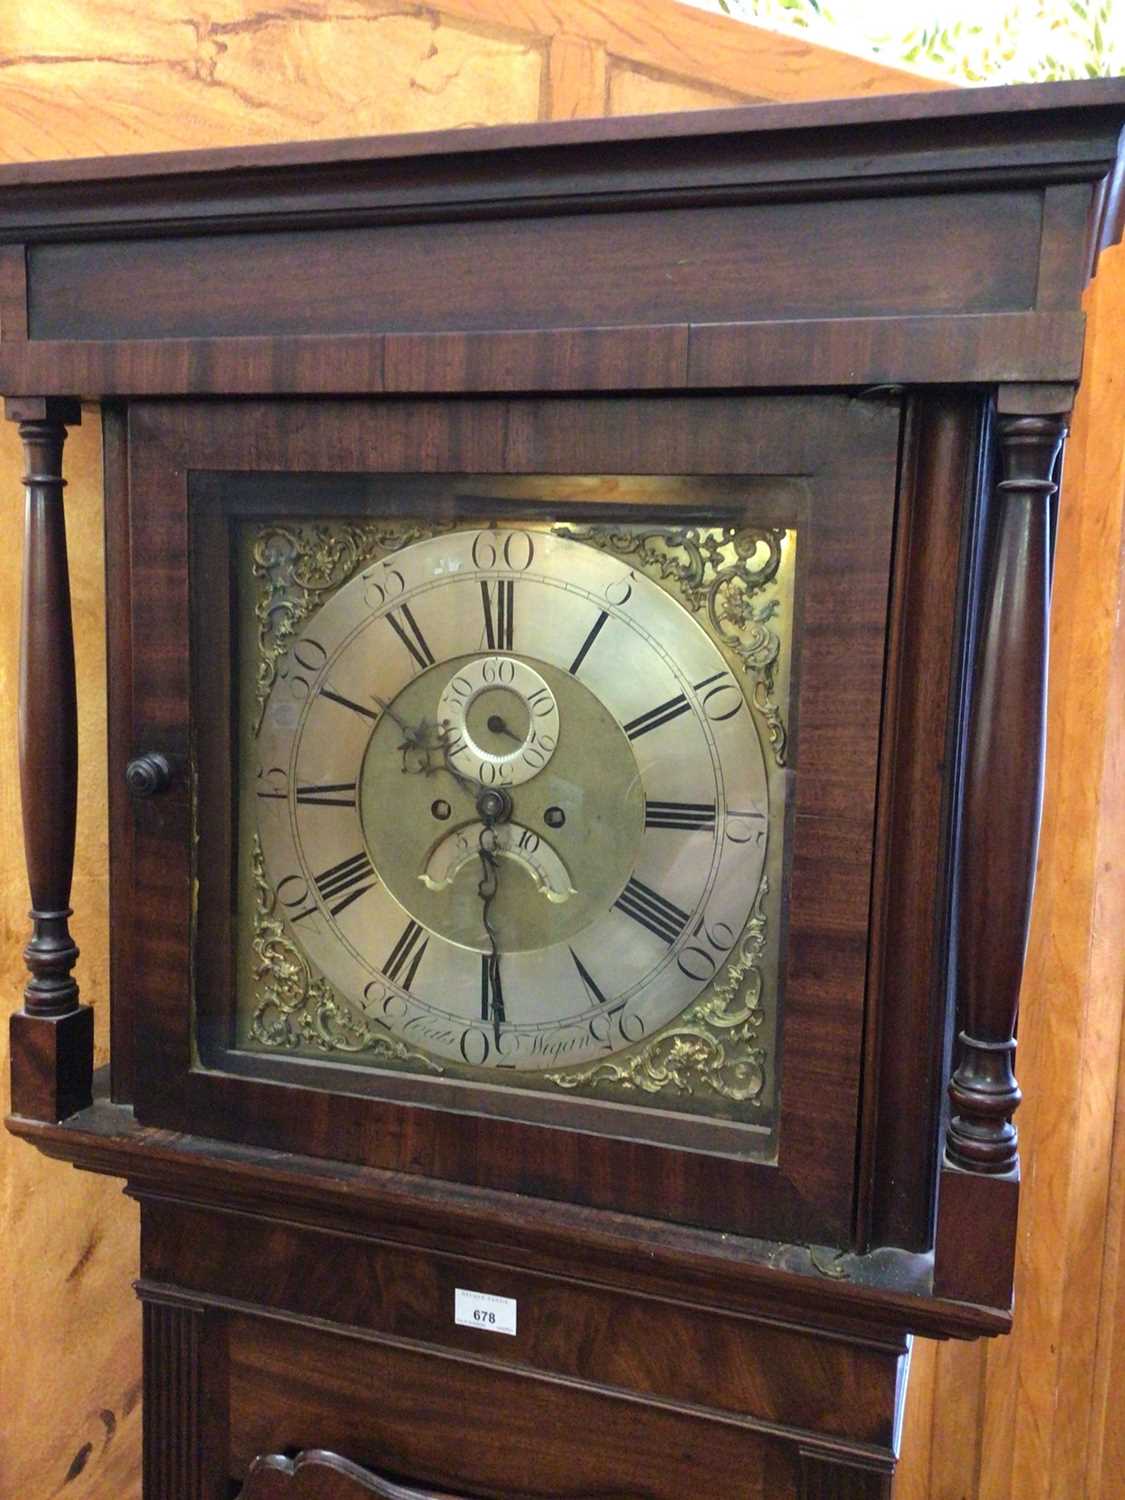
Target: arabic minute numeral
474,1046
744,827
293,893
716,703
513,550
305,662
380,584
620,591
722,700
628,1026
273,783
699,960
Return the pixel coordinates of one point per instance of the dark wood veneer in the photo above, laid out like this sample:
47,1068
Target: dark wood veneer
845,452
655,265
780,352
943,450
868,1299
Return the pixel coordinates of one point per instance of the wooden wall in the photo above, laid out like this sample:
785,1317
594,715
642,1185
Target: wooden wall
1021,1420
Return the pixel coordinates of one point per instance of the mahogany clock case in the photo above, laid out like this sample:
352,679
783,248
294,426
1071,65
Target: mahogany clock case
867,314
832,466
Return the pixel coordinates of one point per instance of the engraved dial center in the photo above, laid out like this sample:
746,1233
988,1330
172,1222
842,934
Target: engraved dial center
553,881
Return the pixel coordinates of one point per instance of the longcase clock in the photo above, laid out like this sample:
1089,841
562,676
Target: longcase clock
577,644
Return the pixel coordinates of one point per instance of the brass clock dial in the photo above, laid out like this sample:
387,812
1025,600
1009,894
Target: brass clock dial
514,816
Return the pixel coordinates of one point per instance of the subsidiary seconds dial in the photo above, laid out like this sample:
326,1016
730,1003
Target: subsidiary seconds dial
622,847
502,719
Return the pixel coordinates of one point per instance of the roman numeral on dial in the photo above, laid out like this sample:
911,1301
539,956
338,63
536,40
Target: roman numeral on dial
331,794
491,991
356,708
411,637
687,817
350,879
587,643
663,713
498,602
406,951
662,918
588,979
657,716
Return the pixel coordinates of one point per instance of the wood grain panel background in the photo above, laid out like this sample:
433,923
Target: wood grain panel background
1032,1418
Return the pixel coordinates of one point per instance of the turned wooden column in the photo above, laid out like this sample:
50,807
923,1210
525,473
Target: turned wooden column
53,1035
999,838
1003,794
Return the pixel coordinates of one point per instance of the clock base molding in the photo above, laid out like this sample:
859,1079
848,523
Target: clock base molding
292,1304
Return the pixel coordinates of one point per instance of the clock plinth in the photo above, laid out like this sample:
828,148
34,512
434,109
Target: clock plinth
52,1063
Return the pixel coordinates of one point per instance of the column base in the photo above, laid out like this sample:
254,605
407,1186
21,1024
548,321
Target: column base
52,1064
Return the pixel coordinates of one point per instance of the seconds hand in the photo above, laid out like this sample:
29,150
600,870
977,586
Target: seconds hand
497,726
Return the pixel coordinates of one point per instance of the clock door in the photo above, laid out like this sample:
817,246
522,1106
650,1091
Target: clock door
520,823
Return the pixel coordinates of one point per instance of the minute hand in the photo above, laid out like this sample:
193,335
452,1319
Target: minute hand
486,890
425,739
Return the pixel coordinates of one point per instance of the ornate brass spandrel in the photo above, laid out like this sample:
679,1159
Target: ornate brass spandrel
298,565
730,576
714,1048
294,1008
